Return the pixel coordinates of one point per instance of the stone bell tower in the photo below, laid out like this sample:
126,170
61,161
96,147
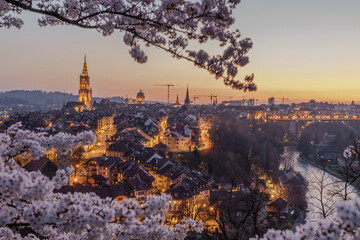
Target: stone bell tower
85,91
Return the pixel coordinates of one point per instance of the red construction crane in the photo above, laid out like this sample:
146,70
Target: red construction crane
168,86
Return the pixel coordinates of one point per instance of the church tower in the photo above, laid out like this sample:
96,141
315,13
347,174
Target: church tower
187,99
177,104
85,91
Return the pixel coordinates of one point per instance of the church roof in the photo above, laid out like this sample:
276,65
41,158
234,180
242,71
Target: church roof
71,104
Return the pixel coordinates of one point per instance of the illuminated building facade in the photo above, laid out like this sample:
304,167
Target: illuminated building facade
140,97
176,141
85,91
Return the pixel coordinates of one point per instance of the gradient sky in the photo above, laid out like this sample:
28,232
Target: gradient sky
303,50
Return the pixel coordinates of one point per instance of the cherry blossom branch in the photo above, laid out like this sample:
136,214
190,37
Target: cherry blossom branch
168,25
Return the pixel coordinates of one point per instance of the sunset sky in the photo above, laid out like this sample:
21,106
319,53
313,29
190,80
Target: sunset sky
302,50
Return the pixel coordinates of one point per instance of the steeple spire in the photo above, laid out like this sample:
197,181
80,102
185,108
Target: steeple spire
187,99
177,104
84,71
85,91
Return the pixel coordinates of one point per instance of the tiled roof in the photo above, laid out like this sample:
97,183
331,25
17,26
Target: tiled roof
279,203
112,191
44,165
139,184
106,161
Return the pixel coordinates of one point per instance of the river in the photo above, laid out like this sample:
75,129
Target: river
311,174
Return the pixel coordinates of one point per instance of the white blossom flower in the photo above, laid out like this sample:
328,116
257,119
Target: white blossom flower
27,198
169,25
348,152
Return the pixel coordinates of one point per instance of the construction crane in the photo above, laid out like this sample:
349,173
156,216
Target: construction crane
230,97
211,96
255,100
168,86
283,99
195,97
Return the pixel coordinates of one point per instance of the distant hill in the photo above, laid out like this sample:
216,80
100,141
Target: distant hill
41,98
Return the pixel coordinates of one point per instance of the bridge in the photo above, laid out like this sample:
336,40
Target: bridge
313,118
298,123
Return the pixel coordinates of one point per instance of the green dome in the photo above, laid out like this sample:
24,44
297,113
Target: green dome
140,94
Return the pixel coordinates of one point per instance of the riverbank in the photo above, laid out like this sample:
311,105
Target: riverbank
327,170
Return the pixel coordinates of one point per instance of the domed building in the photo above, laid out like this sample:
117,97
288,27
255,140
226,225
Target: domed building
129,100
140,98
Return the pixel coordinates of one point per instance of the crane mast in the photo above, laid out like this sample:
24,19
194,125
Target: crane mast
168,90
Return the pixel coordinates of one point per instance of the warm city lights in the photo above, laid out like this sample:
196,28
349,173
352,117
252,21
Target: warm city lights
179,119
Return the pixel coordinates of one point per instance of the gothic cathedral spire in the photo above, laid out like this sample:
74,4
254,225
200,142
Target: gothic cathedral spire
84,71
85,91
